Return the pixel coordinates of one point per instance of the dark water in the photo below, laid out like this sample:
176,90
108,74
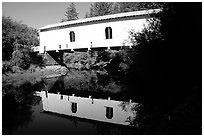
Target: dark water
95,103
51,123
52,107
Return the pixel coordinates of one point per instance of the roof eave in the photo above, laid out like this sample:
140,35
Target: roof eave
106,17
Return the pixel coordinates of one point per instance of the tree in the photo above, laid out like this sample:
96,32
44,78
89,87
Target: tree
86,15
7,38
71,13
14,33
120,7
106,8
17,41
100,9
166,70
21,57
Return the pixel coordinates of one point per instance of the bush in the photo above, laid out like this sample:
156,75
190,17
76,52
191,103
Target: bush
14,33
21,59
36,59
6,67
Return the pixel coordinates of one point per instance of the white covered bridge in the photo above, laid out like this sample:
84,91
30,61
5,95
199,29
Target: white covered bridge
97,32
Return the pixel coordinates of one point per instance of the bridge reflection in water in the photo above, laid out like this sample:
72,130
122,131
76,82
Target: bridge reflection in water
105,110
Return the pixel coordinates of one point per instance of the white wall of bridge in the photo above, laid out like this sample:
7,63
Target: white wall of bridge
91,36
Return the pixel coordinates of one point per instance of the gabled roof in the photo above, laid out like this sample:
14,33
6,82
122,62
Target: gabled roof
99,18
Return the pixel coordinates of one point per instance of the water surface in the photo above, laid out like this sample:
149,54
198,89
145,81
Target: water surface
55,108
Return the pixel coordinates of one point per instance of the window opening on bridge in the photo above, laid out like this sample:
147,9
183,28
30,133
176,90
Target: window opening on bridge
109,112
108,32
74,107
72,36
46,94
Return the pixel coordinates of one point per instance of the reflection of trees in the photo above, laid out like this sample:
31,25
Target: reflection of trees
144,116
103,79
58,86
48,83
91,81
112,129
17,107
24,94
107,129
74,121
86,83
134,108
14,116
149,119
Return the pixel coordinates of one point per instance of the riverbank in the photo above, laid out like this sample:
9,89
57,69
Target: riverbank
33,75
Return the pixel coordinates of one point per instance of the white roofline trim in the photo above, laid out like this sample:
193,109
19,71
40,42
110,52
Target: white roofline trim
99,18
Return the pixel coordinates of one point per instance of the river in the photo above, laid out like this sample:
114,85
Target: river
96,103
82,103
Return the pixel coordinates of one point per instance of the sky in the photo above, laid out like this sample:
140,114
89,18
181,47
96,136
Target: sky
39,14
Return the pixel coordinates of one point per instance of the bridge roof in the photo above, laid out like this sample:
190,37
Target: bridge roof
100,18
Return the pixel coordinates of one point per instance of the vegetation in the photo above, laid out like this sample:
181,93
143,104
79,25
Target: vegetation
100,9
164,54
165,70
71,13
120,7
159,51
15,34
106,8
162,71
17,42
97,60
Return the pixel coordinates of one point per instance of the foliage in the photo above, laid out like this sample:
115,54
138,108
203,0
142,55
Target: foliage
106,8
36,59
165,68
7,38
87,15
120,7
165,55
21,57
17,41
7,67
79,60
71,13
14,33
100,9
104,56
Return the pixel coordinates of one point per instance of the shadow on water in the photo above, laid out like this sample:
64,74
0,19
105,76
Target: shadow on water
17,107
21,106
98,84
87,88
